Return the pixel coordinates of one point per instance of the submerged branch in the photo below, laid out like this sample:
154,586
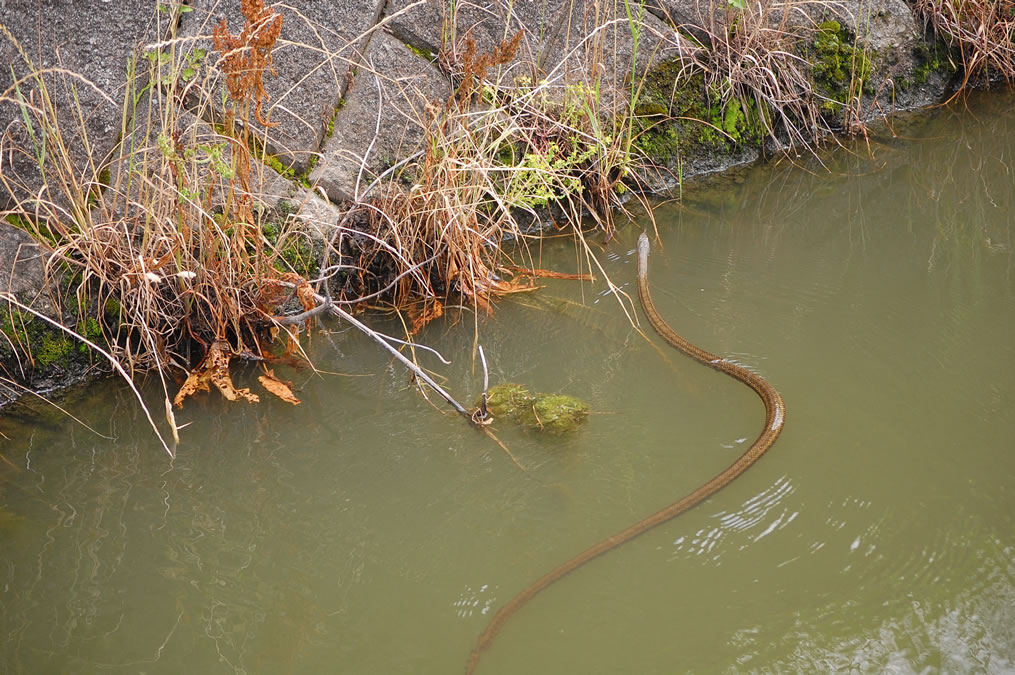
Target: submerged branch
416,370
326,304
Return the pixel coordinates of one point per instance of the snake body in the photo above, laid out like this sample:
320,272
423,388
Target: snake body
775,417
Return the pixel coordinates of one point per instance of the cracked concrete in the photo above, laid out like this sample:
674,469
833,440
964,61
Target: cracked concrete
313,58
382,121
81,52
326,118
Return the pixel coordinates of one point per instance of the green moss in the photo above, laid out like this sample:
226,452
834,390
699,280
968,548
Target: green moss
287,207
18,222
53,349
841,68
422,53
508,400
304,178
651,109
676,115
664,96
931,58
556,413
277,166
113,309
31,340
666,91
39,232
296,252
659,141
91,330
731,124
34,340
329,131
288,171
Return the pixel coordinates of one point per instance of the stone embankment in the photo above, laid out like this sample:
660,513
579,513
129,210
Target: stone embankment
353,83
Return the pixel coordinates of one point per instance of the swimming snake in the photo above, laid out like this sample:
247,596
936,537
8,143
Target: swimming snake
775,417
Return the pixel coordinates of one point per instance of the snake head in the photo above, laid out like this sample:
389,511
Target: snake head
643,248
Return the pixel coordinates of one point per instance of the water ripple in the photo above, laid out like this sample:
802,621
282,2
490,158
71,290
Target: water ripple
759,516
971,632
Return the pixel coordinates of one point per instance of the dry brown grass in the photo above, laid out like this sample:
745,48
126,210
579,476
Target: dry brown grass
164,241
499,154
752,55
982,30
169,234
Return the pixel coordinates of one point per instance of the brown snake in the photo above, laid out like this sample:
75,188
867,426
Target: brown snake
775,416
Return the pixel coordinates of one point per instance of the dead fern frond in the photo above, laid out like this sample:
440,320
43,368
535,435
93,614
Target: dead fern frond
246,57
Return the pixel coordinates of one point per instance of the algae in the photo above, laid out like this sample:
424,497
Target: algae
507,400
555,413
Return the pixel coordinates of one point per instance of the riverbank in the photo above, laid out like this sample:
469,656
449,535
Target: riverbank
174,188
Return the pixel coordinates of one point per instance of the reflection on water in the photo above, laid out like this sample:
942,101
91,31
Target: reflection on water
365,531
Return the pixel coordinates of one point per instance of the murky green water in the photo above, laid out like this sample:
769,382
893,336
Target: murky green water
366,532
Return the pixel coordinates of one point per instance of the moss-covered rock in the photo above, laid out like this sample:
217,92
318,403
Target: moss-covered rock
678,117
556,413
842,69
508,400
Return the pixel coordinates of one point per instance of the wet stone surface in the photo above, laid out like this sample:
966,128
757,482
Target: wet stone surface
82,48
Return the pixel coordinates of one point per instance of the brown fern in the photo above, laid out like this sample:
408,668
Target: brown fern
245,57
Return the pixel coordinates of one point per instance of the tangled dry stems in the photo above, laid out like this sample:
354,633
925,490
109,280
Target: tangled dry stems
166,236
173,238
750,57
498,152
982,30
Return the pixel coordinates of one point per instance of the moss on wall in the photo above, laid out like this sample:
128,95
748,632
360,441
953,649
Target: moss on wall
842,69
679,115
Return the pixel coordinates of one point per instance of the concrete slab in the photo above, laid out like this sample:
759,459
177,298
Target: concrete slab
82,47
380,122
320,41
23,271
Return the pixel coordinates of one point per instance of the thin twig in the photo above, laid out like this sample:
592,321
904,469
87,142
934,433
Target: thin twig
9,297
416,345
416,370
483,412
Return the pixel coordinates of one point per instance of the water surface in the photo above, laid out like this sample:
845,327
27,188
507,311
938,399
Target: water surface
365,531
